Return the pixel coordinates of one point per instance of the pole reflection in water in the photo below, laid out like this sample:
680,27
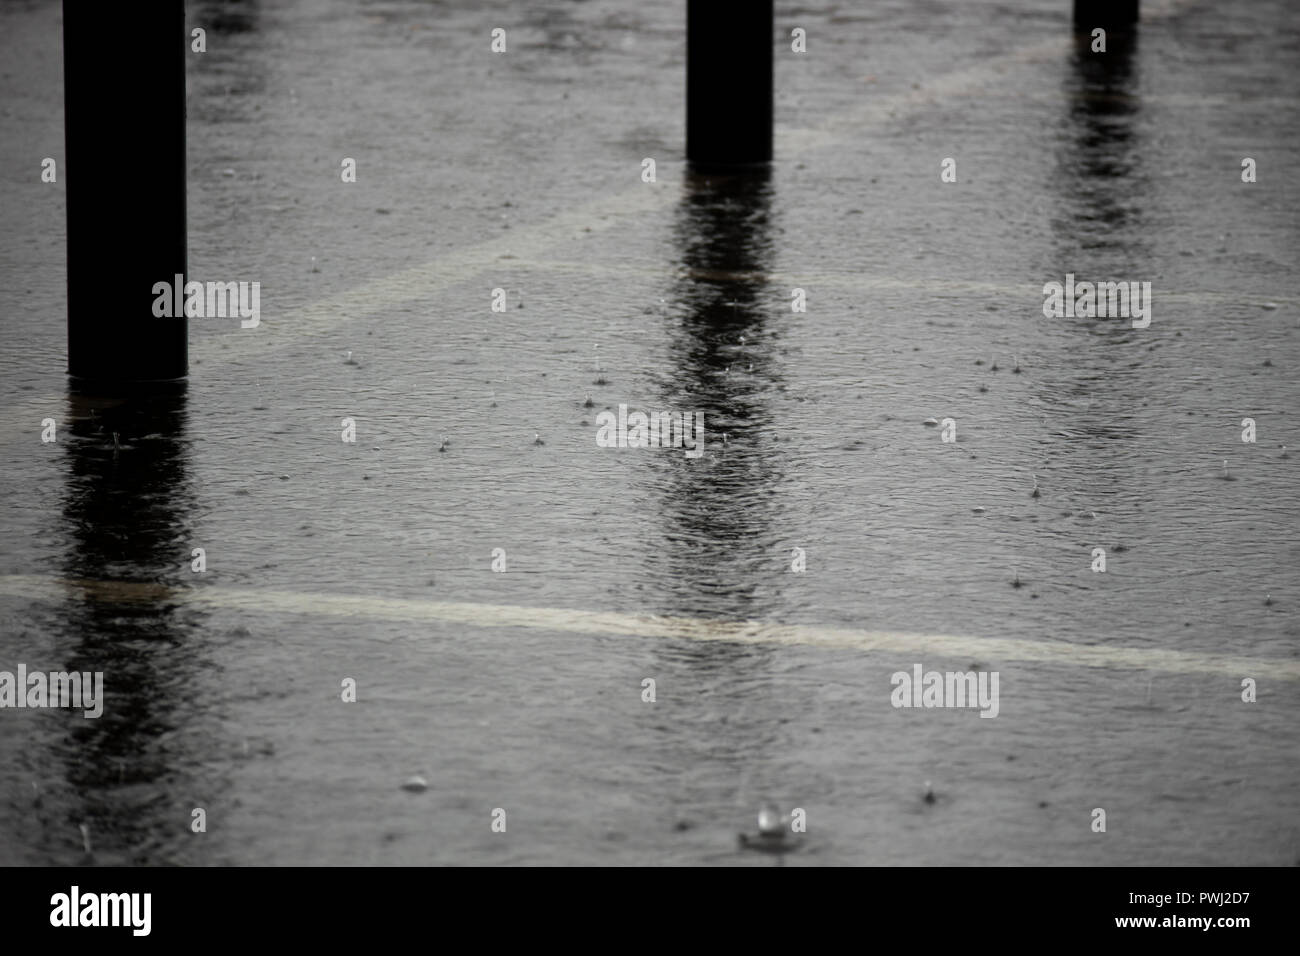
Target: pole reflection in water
1100,237
717,542
721,546
124,777
1099,167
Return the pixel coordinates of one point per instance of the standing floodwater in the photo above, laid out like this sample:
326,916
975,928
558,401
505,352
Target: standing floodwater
370,576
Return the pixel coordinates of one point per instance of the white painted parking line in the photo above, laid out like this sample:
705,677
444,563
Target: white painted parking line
964,648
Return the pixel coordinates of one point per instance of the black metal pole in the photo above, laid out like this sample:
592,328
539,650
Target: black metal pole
1107,14
124,127
728,82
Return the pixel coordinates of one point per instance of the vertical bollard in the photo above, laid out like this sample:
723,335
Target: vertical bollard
728,82
124,129
1107,14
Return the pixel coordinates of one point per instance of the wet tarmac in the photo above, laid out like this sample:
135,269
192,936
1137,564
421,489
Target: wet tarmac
522,689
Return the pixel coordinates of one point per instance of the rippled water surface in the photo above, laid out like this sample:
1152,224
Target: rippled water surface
475,431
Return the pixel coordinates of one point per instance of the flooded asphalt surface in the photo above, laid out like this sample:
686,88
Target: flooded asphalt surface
522,171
